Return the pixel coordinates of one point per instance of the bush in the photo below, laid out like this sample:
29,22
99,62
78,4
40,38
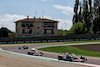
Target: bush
78,28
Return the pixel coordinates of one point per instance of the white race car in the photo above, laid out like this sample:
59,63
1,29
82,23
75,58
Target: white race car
34,52
23,47
71,57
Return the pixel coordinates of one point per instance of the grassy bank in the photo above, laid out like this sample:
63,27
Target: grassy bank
81,41
65,49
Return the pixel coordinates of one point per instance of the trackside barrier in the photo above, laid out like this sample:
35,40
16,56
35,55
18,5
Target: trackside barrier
77,37
47,59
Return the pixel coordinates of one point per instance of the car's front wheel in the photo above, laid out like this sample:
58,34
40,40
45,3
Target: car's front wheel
59,57
30,53
27,47
41,53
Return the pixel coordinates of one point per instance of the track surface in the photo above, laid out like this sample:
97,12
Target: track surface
91,60
9,60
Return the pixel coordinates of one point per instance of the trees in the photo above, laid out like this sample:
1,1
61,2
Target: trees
78,28
75,17
87,16
90,4
96,26
4,32
63,32
96,19
80,14
84,15
95,9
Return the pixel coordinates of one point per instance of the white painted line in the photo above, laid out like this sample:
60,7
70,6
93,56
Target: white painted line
0,48
87,64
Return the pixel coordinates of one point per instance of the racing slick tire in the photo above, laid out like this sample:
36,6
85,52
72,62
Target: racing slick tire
27,48
82,57
40,53
85,59
19,48
60,57
30,53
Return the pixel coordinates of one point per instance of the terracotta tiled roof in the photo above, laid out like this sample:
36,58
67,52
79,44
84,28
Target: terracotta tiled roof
37,19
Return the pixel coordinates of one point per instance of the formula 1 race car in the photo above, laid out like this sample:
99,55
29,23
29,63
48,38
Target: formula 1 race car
35,53
71,57
23,47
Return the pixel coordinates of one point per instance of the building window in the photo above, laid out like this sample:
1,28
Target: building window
30,32
23,31
52,32
31,25
38,27
45,25
37,32
48,31
23,25
49,24
44,31
27,25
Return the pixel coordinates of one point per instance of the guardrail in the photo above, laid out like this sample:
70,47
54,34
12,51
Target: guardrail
79,37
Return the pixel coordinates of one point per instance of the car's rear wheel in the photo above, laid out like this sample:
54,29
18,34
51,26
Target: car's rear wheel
86,59
28,53
71,59
19,47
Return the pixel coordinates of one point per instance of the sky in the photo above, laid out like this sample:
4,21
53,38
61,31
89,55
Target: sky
13,10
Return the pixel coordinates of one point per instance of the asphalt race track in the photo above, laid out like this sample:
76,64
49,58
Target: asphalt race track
91,60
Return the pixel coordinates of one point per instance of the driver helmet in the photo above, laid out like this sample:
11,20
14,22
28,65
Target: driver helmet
32,48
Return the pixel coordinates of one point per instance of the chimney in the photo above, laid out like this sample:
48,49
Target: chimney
34,17
39,18
27,18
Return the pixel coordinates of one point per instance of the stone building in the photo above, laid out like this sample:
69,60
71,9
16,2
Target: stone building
35,27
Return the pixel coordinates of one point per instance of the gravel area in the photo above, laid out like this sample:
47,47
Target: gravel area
95,48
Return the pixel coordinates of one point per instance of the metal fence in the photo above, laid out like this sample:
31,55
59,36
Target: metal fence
78,37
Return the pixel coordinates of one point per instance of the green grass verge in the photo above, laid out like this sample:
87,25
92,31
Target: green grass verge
77,51
81,41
